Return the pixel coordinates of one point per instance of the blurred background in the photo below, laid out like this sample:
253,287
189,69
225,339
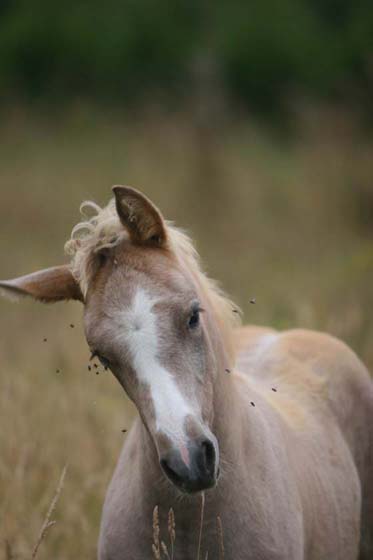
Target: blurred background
248,123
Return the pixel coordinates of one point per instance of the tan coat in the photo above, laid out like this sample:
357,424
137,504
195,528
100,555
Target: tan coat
296,467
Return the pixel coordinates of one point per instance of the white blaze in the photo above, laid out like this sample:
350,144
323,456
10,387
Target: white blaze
139,328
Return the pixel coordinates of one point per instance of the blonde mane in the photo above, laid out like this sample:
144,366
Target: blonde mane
101,228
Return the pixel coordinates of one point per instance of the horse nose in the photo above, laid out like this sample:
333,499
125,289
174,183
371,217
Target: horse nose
195,470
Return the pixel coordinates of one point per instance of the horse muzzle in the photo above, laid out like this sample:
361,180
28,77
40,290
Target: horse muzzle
194,467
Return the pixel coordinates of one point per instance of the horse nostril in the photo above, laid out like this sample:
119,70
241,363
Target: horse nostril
208,456
200,471
170,472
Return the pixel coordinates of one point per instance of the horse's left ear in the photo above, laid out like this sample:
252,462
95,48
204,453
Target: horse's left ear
49,285
140,217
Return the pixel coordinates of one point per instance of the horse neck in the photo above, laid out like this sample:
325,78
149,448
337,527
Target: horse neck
228,412
226,398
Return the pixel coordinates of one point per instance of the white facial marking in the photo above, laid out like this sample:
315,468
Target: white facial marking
138,327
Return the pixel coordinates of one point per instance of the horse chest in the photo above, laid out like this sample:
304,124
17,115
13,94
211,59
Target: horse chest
231,526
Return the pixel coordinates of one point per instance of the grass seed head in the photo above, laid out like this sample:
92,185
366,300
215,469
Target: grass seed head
156,531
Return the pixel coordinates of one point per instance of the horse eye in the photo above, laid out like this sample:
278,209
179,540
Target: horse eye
194,319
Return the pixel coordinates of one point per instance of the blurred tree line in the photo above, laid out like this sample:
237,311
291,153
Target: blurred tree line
257,52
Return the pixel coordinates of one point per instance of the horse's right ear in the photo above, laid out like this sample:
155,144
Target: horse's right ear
49,285
140,217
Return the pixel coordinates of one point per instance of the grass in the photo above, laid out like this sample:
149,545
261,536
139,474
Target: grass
160,549
284,220
47,522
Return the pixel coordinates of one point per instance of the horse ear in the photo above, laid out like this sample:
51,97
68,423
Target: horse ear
141,218
49,285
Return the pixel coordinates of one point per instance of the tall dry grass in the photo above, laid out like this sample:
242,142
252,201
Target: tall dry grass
284,219
48,522
162,551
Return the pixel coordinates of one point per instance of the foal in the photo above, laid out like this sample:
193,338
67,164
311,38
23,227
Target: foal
275,427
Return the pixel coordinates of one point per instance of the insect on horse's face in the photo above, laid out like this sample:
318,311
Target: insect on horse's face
145,322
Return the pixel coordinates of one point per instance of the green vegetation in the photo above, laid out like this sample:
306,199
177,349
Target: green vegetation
258,53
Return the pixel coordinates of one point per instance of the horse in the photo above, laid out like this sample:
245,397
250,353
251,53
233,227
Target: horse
250,443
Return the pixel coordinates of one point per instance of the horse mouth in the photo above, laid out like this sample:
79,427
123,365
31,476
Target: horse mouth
191,482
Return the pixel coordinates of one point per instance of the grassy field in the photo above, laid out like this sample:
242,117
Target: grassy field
286,219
